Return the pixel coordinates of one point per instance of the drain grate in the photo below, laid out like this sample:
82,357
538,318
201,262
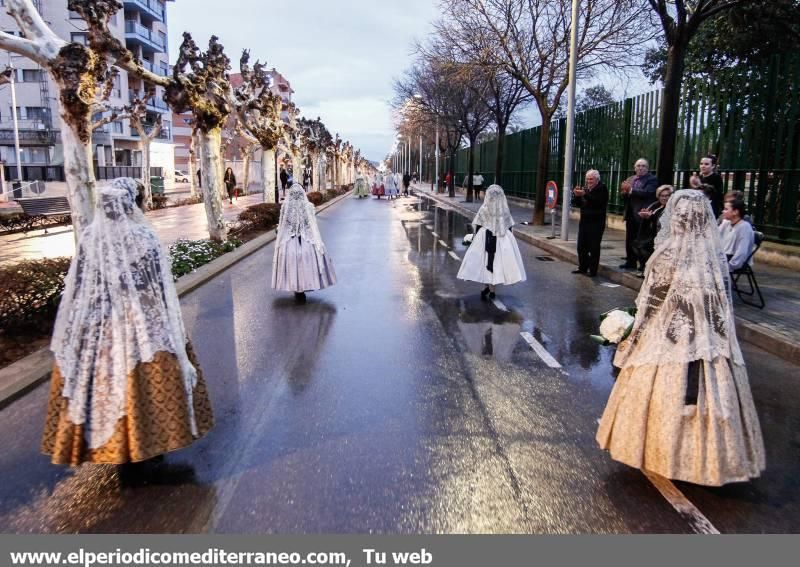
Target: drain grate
545,258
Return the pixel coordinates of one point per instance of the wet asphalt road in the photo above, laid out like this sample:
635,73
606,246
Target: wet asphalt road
398,402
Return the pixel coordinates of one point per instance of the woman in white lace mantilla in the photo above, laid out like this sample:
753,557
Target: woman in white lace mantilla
493,257
300,262
681,406
125,386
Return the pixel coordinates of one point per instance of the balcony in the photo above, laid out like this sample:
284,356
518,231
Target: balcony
153,103
149,10
138,35
165,134
153,68
28,137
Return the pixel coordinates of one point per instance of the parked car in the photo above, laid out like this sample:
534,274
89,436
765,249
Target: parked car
181,176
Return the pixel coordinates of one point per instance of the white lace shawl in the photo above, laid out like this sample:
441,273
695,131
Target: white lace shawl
494,213
119,309
298,218
389,181
684,309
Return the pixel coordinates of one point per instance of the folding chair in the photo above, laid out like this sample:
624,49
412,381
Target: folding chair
747,272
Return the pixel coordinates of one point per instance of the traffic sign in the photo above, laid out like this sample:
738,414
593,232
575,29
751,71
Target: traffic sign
551,190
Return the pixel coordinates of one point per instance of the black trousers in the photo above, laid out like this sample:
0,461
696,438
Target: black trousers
590,236
632,224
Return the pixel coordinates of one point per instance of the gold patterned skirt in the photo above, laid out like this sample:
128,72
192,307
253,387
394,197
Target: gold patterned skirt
696,423
156,419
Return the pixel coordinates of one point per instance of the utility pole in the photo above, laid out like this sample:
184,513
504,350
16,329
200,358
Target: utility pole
14,115
570,143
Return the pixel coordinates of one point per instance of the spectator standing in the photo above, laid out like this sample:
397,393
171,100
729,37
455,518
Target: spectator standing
406,183
284,180
638,192
230,184
710,182
592,200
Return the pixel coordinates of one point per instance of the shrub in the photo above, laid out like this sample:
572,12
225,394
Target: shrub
30,292
260,216
316,198
159,202
187,201
188,255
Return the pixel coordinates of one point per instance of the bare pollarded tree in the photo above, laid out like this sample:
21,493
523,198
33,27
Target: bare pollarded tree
83,74
316,138
529,40
258,111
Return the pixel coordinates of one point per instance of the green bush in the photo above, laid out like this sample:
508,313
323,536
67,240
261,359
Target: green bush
316,198
260,216
30,292
188,255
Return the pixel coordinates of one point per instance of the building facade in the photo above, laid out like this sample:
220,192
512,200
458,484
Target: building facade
142,26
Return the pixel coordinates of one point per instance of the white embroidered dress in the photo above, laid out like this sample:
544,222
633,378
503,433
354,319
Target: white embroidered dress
681,406
300,262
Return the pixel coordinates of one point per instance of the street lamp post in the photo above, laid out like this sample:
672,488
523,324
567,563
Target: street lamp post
16,124
570,145
436,151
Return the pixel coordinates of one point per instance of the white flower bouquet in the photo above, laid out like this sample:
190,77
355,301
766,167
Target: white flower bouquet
467,239
615,326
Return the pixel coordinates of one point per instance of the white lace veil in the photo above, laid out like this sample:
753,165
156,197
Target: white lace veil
494,213
684,309
119,309
298,218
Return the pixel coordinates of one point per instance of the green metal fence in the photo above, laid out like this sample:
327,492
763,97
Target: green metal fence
750,120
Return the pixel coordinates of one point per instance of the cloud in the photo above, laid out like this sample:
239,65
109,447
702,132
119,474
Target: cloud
340,57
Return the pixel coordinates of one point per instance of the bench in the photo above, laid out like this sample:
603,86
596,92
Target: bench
39,209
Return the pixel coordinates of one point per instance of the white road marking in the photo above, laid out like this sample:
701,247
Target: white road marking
435,235
500,305
443,243
606,284
454,255
540,350
700,524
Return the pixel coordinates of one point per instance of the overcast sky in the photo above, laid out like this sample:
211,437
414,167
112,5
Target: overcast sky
340,57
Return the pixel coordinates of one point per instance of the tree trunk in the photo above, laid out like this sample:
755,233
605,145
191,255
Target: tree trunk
451,187
213,180
248,155
670,108
297,168
192,168
498,153
541,171
144,145
268,175
78,172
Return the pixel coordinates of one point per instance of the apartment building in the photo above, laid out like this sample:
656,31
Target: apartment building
142,25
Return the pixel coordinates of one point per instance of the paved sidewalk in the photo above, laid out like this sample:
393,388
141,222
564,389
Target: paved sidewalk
171,224
776,328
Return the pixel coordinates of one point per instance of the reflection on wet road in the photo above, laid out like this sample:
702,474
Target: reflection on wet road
398,402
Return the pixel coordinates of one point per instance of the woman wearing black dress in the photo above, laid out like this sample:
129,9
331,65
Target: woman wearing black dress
710,182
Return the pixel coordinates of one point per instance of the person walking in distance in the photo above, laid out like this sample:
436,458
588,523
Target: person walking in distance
230,184
592,200
406,183
284,180
638,192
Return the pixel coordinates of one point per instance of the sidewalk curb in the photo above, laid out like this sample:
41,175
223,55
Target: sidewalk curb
24,375
764,338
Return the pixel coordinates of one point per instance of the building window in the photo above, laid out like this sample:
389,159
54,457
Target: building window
162,37
73,15
32,113
117,127
32,75
81,38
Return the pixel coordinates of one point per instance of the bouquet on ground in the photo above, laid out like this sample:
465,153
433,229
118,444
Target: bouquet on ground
468,239
615,326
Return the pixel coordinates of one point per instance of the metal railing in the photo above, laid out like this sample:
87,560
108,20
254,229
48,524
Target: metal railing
135,28
153,6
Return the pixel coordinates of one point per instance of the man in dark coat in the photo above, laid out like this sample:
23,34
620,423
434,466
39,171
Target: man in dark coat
638,192
406,183
592,200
